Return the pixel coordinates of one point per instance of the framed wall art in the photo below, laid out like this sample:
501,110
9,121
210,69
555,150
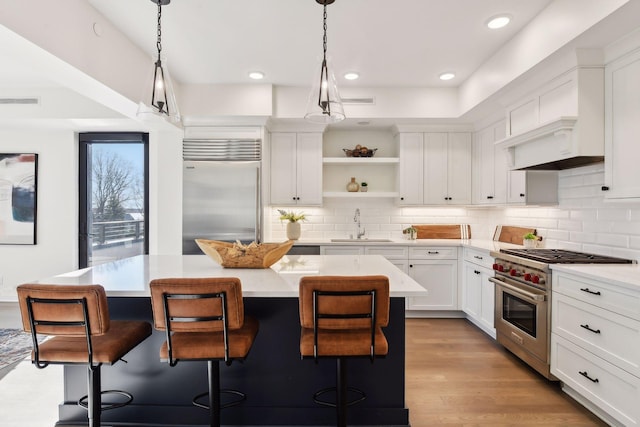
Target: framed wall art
18,196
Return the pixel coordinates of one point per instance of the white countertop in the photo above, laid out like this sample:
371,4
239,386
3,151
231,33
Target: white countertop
130,277
625,275
481,244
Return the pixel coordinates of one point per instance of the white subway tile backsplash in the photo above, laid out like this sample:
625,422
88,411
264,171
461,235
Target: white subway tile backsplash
583,220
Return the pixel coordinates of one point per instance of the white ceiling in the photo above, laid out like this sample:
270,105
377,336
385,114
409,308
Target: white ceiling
391,43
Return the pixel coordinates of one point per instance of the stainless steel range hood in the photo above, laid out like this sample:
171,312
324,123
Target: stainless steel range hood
553,146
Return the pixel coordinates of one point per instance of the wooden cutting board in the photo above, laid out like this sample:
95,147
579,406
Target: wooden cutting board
511,234
443,231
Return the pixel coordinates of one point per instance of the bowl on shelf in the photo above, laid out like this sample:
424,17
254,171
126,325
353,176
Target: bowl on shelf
362,152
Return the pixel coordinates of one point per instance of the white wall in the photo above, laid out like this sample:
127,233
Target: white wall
57,209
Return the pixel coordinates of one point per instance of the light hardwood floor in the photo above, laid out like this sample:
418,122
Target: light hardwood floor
457,376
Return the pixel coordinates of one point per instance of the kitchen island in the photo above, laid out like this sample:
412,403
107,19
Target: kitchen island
279,385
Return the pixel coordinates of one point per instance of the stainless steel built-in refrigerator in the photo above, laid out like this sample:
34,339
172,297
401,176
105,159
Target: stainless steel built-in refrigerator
221,192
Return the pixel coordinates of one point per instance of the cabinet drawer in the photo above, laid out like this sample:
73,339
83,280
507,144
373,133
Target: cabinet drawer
341,250
604,295
478,257
608,335
389,252
613,390
427,252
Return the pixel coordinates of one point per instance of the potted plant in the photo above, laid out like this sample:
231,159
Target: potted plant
411,232
364,186
529,240
293,224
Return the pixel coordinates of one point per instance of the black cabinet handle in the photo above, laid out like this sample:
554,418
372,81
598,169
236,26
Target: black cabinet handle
433,252
410,265
589,291
477,257
521,194
586,375
604,188
476,271
401,198
595,331
489,197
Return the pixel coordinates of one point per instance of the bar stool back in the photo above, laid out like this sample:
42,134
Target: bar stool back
204,320
342,317
77,319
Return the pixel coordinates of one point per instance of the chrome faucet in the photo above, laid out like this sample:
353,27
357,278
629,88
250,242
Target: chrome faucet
356,219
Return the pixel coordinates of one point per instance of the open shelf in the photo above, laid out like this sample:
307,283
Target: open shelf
360,160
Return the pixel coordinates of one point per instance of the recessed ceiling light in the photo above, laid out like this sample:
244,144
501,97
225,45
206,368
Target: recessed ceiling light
256,75
351,75
447,76
498,21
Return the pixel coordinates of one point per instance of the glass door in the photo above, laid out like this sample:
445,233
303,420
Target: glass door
113,218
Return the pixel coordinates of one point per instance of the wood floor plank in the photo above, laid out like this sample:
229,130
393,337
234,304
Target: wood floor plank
457,376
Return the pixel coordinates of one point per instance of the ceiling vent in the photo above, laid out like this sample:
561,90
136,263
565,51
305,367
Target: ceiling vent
359,101
19,101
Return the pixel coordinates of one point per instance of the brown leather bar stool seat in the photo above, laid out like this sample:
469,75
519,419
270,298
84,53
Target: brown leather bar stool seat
204,320
77,320
342,317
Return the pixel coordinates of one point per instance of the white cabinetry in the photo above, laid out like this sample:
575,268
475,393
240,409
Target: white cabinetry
489,166
622,127
341,250
532,188
436,269
477,291
595,345
435,168
296,168
397,255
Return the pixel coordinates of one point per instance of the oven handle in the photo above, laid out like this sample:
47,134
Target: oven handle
530,295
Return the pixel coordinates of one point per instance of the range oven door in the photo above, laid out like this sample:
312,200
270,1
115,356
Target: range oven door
521,316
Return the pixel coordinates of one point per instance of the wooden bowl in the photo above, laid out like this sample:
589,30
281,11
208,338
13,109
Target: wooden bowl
253,255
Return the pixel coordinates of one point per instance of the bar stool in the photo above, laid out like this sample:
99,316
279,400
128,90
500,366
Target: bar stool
77,319
204,320
341,317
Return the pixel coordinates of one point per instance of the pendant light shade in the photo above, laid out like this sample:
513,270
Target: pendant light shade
159,89
324,105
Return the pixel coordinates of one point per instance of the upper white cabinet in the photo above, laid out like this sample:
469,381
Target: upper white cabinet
296,168
622,127
489,166
435,168
532,188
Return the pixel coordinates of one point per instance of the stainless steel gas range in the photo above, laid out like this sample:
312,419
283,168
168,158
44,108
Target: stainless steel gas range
523,299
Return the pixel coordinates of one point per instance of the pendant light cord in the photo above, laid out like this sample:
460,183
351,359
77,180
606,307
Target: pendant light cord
324,28
159,40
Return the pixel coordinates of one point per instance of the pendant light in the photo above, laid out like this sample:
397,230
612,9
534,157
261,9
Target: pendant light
163,98
324,105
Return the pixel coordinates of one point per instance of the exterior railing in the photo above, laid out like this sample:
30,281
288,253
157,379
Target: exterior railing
113,232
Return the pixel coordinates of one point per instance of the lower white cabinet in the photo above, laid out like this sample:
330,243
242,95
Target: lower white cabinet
436,269
478,293
595,345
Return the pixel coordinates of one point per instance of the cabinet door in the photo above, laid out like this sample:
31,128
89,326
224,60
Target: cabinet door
440,278
622,174
483,164
283,168
472,290
309,169
517,187
435,169
410,170
487,304
459,168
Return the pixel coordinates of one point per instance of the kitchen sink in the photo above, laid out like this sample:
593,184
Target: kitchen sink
360,240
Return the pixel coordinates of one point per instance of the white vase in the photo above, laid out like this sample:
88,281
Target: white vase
293,230
529,243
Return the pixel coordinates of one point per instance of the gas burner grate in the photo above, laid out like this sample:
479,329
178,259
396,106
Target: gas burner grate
561,256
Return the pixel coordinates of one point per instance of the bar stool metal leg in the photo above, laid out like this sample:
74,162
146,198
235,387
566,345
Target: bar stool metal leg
341,391
94,403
